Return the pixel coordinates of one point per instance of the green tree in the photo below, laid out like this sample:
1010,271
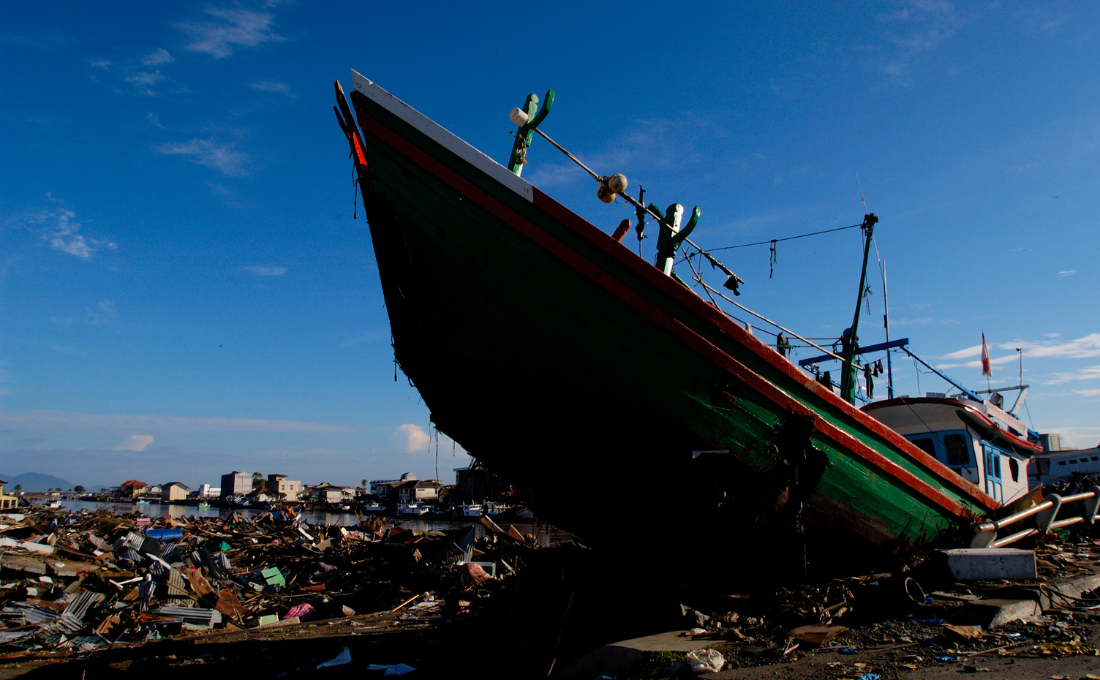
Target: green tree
78,488
258,480
18,487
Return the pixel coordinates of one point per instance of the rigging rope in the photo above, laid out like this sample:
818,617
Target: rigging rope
773,241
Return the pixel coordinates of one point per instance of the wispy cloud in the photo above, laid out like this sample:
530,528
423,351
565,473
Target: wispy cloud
153,120
923,321
234,28
102,313
978,364
264,271
1082,348
1088,393
157,58
964,353
58,227
414,438
1068,272
914,30
135,442
126,423
1090,373
224,157
273,86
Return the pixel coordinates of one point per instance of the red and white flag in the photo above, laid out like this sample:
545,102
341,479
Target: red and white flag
987,366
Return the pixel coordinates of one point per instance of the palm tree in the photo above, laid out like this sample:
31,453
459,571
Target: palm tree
18,487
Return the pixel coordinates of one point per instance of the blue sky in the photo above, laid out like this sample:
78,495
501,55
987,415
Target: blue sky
184,291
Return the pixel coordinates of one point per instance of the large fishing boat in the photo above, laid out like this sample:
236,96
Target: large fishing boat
575,369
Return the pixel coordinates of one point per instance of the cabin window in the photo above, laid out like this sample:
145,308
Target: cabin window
1073,461
1014,469
926,445
957,451
1093,458
1061,462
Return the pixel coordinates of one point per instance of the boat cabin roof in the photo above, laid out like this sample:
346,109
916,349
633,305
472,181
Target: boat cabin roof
919,415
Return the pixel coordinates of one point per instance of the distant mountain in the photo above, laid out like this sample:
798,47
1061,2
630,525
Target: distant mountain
33,481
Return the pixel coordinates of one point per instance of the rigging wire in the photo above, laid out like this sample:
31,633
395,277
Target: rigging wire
772,242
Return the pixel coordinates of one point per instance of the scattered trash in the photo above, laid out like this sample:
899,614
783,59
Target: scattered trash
705,661
342,659
394,669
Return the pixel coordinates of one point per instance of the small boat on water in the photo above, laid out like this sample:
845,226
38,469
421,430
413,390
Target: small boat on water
413,509
374,507
519,321
471,510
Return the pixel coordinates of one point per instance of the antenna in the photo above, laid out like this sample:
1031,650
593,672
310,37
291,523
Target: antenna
862,201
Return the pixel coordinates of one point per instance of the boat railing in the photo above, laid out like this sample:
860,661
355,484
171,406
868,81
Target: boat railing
1044,518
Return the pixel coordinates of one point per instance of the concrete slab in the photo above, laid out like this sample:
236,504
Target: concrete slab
616,658
984,564
995,613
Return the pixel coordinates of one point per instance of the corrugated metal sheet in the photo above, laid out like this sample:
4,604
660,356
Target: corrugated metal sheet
195,616
131,555
63,625
80,605
176,588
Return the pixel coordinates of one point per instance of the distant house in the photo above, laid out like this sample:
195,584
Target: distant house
154,490
336,494
384,489
288,488
132,488
6,502
236,484
419,490
208,491
174,491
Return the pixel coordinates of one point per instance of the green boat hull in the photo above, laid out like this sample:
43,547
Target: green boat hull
578,371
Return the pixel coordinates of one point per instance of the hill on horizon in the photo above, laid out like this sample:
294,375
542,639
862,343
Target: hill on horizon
34,481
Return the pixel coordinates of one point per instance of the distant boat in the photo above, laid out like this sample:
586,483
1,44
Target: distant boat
413,509
566,361
374,506
203,505
471,509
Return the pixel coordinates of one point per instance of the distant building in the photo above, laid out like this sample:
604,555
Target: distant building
174,491
336,494
289,488
477,483
383,489
236,484
208,491
418,490
132,488
6,501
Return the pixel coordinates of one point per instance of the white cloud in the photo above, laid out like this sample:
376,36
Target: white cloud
101,63
136,442
153,120
964,353
273,86
1082,348
146,78
157,58
223,158
978,364
236,28
264,271
1068,272
60,229
125,423
1090,373
416,440
1088,393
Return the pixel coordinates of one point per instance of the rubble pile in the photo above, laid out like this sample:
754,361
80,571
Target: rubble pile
83,581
